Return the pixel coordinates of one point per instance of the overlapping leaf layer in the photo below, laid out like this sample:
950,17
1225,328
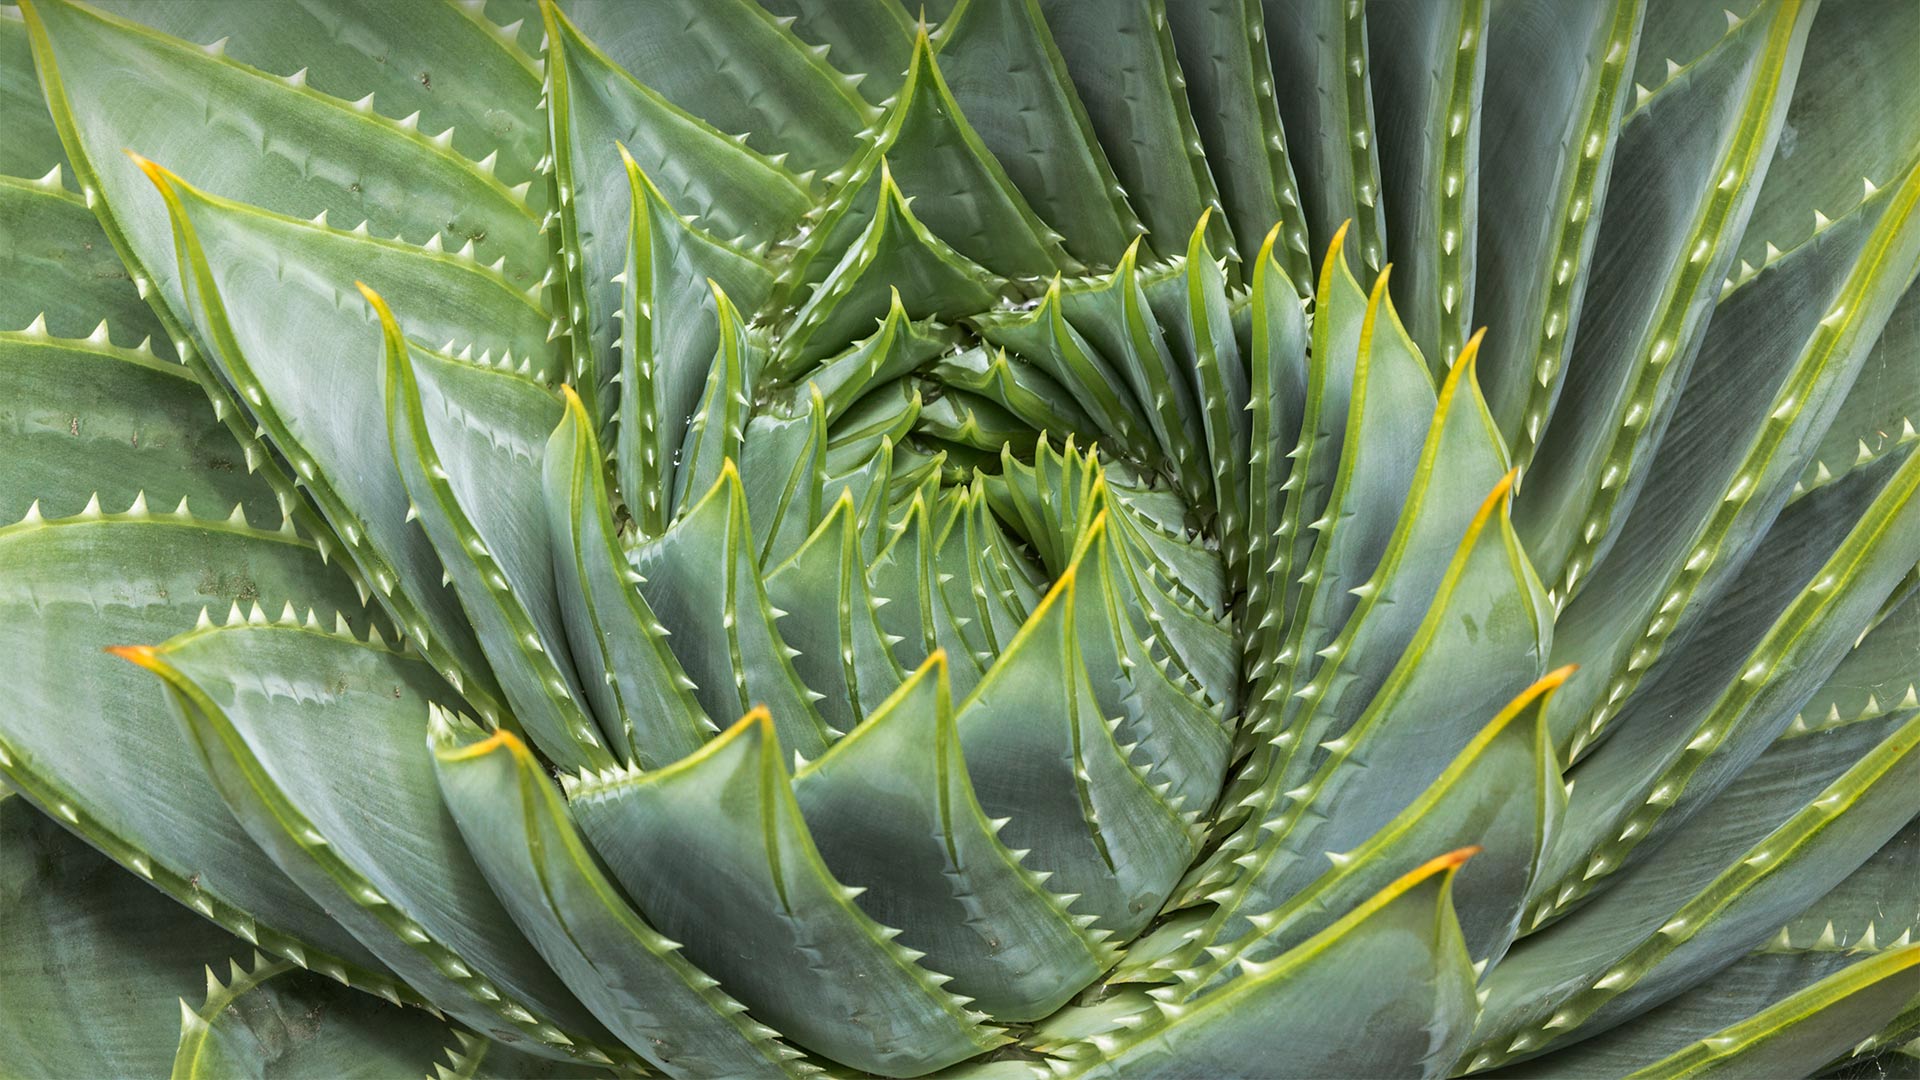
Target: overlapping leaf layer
713,538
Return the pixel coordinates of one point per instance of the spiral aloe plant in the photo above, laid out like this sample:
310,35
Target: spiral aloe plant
1019,538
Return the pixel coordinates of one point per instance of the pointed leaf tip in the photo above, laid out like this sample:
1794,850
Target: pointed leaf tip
143,655
1470,352
499,740
379,304
161,176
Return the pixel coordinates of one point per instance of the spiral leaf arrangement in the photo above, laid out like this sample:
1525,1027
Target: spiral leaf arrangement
1024,538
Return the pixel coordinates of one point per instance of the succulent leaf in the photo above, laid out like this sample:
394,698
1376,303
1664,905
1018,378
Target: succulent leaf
1659,263
1010,580
1406,934
777,928
142,797
928,860
631,976
411,892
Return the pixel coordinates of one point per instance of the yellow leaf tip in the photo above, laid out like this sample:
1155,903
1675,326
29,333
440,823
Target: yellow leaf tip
144,655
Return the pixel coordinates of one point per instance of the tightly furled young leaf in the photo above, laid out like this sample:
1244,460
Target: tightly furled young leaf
1019,538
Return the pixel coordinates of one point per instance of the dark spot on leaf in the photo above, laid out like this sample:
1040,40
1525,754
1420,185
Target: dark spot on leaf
233,583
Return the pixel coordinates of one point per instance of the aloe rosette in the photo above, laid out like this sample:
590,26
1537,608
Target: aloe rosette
1039,538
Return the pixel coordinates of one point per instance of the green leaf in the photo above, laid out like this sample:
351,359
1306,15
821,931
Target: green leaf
1339,315
1854,118
85,419
956,416
673,277
302,730
893,813
138,269
896,253
1791,775
1556,78
1007,76
1121,58
59,267
33,146
1277,386
1691,157
1167,725
1807,1030
261,285
1388,465
702,579
1318,50
1882,407
1755,662
1019,387
1857,916
832,620
1046,339
86,738
930,147
1376,595
1387,990
1198,640
1772,373
899,347
297,151
736,67
715,853
631,976
594,108
1050,503
1201,335
1676,36
872,39
401,53
93,958
911,607
473,1058
1482,640
1503,791
1041,753
1877,677
639,691
1699,903
1122,332
868,482
1229,81
784,468
879,421
468,442
998,577
1852,921
1429,62
927,146
717,428
272,1019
